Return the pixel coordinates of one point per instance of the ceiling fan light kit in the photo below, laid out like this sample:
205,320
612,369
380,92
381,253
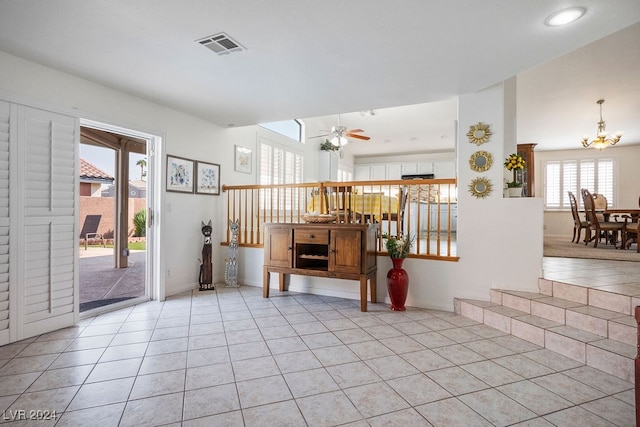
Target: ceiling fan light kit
339,135
603,139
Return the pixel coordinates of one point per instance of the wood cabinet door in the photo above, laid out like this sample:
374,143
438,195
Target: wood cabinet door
345,251
278,247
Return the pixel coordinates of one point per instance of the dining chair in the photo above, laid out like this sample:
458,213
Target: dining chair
398,216
338,201
631,235
599,227
578,223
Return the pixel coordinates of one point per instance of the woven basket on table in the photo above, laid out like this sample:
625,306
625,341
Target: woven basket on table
321,219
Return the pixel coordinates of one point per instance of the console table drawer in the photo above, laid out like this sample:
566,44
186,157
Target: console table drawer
314,236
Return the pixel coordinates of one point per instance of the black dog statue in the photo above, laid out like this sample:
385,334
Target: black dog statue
206,268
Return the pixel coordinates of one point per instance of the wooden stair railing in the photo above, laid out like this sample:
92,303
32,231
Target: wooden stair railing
428,211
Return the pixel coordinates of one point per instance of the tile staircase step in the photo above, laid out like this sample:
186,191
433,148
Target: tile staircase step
613,352
601,321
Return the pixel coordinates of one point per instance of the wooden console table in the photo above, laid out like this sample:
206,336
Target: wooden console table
340,251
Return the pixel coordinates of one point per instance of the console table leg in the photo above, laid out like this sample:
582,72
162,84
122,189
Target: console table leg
374,288
282,282
265,282
363,293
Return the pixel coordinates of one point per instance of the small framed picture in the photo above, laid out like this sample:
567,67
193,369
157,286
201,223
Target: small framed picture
207,178
179,174
243,159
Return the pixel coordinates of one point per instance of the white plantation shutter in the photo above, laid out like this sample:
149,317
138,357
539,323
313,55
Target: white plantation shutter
605,180
47,194
5,115
279,166
588,175
552,185
563,176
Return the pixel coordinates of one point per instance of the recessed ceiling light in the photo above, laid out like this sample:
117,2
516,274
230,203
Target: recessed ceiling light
565,16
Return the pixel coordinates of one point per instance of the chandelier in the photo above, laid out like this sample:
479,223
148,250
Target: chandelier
603,139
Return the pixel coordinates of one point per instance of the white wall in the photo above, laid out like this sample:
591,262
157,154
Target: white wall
627,177
185,136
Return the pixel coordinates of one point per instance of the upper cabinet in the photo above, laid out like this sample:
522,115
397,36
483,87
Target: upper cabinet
371,172
395,170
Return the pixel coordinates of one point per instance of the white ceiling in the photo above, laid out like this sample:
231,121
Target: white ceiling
309,58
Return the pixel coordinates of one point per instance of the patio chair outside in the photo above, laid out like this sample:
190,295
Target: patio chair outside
90,230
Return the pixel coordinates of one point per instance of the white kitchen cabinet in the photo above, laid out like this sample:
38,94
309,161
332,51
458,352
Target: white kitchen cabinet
361,173
382,171
394,171
377,172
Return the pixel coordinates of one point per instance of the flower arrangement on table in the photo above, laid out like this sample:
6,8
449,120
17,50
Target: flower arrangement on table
514,162
398,247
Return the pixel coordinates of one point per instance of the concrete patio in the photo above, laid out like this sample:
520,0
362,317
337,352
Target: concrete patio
101,283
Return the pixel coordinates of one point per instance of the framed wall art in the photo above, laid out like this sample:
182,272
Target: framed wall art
179,174
479,134
207,178
480,161
243,159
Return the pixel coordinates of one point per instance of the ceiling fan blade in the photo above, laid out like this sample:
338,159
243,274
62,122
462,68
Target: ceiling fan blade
355,130
320,136
365,138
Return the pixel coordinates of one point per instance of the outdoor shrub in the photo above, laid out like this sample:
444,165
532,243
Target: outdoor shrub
140,223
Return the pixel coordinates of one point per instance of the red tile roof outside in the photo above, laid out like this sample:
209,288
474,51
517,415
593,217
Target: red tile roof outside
89,171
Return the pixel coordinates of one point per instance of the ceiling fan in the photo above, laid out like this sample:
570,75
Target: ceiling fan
338,135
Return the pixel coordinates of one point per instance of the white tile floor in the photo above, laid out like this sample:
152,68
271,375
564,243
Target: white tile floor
230,357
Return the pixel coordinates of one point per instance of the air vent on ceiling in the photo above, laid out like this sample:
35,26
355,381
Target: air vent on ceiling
221,44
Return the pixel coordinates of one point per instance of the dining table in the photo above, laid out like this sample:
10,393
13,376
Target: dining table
624,213
633,213
370,206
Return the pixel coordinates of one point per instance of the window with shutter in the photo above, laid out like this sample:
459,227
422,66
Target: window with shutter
572,175
5,167
279,165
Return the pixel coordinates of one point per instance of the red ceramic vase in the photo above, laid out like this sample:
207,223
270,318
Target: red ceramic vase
397,284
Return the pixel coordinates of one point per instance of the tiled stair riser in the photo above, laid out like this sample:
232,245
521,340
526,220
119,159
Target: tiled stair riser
611,363
623,330
497,321
587,323
547,311
573,293
610,301
517,303
566,346
472,312
545,287
527,332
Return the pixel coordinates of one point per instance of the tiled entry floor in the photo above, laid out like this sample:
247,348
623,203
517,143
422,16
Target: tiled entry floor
230,357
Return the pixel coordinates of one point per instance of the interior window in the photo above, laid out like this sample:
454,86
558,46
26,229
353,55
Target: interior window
293,129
